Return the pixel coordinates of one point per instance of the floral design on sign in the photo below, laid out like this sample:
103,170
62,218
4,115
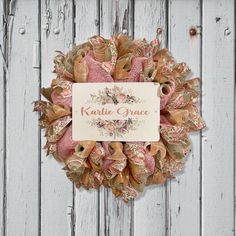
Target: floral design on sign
114,95
115,128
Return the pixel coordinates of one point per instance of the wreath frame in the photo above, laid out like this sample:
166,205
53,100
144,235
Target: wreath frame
125,167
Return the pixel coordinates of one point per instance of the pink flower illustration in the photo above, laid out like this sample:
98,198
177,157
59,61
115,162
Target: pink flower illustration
121,97
114,95
115,128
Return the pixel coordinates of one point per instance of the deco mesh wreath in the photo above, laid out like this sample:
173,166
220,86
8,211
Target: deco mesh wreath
126,167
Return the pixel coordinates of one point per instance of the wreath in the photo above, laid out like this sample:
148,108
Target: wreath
125,167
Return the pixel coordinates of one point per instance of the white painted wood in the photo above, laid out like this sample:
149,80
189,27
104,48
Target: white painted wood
184,191
39,197
116,17
56,189
148,17
2,116
86,20
218,112
86,202
116,217
149,208
22,132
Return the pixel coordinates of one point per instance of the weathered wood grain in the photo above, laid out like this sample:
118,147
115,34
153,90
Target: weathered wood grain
116,16
56,190
86,202
150,16
184,191
39,199
116,217
2,114
86,20
218,111
149,208
22,132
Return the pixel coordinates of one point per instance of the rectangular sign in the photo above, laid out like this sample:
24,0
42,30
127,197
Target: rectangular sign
116,111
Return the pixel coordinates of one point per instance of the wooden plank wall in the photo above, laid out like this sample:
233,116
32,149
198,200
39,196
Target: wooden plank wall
35,196
184,199
2,116
22,135
56,28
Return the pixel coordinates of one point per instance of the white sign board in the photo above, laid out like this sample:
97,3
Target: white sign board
116,111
